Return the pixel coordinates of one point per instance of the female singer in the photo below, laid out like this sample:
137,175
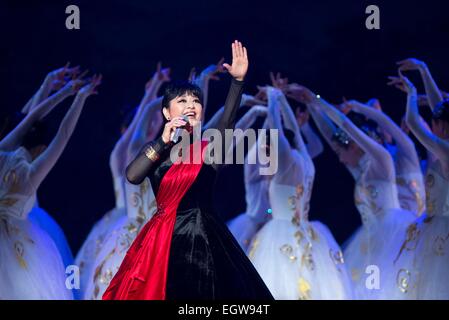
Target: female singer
185,250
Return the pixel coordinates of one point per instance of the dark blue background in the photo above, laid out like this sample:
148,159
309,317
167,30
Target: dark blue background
322,44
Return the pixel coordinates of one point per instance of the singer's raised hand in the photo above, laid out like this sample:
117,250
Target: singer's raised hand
171,126
239,66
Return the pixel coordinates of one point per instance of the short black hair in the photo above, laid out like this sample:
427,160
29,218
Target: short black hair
441,111
179,88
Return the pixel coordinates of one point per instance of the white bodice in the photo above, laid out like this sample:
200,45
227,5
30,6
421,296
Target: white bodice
292,202
437,191
373,196
119,191
257,202
140,201
17,195
411,192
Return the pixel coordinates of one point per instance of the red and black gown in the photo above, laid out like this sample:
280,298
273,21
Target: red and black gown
185,251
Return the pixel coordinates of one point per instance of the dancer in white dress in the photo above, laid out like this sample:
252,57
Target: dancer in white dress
53,81
423,261
31,266
296,258
409,177
371,247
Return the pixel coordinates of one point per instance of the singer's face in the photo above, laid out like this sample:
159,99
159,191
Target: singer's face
186,105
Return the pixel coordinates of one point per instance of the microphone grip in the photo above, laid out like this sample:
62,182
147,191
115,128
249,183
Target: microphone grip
178,131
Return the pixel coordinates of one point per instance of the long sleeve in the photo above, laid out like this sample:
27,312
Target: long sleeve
434,95
147,127
248,119
314,144
203,82
434,144
407,154
292,124
274,122
383,163
14,138
228,116
150,154
324,124
41,94
45,162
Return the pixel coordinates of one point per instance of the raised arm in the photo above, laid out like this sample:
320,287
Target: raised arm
314,144
433,93
405,145
47,159
383,161
292,124
274,122
153,86
14,138
147,127
434,144
210,73
307,97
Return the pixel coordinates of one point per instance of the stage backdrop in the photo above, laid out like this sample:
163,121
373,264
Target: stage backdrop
322,44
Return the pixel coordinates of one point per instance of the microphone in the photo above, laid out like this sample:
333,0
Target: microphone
178,131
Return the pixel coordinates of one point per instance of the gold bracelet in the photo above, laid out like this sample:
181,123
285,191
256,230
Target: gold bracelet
151,154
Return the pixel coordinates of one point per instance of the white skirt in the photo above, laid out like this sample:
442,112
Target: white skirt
87,255
243,228
31,266
111,255
422,267
300,262
371,254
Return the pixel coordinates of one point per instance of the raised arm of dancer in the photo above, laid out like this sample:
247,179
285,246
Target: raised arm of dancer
383,163
434,95
47,159
314,144
153,86
404,144
434,144
210,73
274,122
14,138
148,126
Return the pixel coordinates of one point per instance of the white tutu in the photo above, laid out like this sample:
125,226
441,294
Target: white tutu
373,247
86,256
30,264
41,218
141,205
423,262
243,228
300,262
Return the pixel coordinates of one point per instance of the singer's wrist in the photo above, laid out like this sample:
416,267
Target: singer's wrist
165,140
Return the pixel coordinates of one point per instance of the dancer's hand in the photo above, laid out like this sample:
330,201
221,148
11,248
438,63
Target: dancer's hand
59,77
170,128
212,71
239,66
407,85
278,81
411,64
300,93
249,100
91,87
397,83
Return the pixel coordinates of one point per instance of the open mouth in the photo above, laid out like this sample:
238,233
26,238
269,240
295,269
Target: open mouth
190,115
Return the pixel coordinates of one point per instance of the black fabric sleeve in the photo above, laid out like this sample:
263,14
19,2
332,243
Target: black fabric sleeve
228,117
139,168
